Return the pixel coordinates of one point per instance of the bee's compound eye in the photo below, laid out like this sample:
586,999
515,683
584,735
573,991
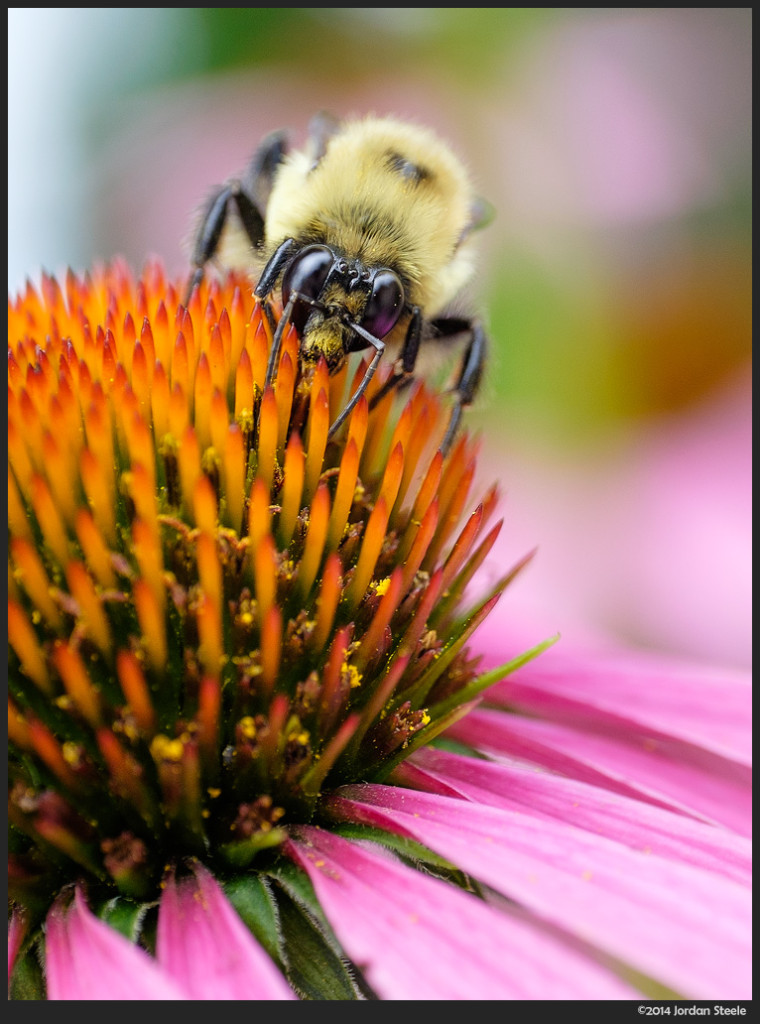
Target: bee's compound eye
384,304
307,272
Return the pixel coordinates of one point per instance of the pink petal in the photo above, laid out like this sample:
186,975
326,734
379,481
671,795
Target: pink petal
419,938
86,959
631,822
633,692
203,945
686,927
666,774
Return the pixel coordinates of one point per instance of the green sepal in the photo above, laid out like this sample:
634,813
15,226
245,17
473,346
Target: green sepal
251,896
26,981
124,916
313,968
409,849
455,747
411,852
297,885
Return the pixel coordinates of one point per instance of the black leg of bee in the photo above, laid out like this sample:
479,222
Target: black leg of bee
470,373
249,197
264,286
274,354
407,360
214,221
259,177
274,267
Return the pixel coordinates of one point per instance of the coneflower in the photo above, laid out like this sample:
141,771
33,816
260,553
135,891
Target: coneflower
233,640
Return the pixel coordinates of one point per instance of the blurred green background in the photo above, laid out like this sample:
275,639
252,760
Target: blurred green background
614,144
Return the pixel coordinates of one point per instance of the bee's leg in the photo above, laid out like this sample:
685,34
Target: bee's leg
403,368
213,223
264,286
274,268
379,347
258,179
249,198
274,353
470,371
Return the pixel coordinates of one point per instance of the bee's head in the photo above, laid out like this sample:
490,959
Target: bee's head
338,302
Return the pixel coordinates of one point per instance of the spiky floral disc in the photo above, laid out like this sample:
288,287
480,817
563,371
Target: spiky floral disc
215,613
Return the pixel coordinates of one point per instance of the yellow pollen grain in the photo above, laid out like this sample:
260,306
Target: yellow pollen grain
354,676
247,727
163,748
70,753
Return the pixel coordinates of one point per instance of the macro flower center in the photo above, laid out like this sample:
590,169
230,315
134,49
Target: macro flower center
217,612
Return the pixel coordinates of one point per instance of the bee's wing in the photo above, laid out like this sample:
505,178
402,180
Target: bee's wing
322,127
481,214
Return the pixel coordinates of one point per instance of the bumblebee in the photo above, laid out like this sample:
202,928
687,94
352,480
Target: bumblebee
366,233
